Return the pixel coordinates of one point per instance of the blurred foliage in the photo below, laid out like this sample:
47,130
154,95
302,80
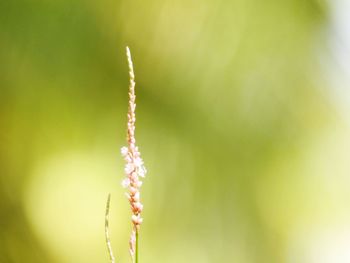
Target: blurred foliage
233,109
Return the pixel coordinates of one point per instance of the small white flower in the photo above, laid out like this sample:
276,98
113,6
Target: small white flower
138,206
126,182
139,184
124,151
136,197
142,171
138,161
137,220
129,167
127,158
133,176
133,190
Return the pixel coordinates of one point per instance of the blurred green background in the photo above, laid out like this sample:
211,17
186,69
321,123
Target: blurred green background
242,120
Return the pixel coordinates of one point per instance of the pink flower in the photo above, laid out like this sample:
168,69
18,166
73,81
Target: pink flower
124,151
134,167
142,171
137,220
129,168
126,182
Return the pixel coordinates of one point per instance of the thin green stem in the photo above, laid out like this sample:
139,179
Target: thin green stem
108,240
137,247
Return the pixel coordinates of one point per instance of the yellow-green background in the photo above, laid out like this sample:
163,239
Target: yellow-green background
246,148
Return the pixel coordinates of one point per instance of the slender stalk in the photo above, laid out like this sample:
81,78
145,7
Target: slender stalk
137,247
134,167
108,240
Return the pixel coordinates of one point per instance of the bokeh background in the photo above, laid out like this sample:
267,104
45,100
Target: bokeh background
243,122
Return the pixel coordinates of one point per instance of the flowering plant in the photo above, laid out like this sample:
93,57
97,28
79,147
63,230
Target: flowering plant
134,169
